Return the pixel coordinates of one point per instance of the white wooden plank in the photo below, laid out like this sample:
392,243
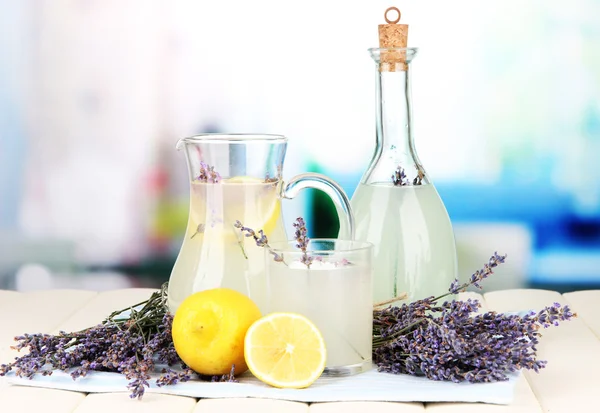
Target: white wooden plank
249,406
587,306
7,298
37,312
104,303
360,407
570,382
524,402
121,403
32,399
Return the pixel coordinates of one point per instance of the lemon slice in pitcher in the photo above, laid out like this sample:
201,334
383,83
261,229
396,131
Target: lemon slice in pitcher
244,180
285,350
266,204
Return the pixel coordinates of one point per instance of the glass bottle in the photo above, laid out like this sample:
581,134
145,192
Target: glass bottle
396,206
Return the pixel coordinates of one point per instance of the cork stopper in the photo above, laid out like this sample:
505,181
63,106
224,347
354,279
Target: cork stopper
393,35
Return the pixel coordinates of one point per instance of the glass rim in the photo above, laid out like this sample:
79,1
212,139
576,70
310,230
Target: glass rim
355,245
234,138
375,50
409,52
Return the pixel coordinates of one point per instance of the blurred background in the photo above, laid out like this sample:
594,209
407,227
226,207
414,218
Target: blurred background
94,94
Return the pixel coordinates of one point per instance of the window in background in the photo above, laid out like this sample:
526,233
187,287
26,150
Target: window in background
506,101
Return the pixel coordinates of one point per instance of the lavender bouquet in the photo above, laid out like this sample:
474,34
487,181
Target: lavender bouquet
450,341
131,345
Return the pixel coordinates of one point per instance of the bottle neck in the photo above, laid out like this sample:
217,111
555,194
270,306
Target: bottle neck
395,149
393,113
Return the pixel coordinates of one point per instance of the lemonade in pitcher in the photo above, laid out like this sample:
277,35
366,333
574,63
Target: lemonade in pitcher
215,253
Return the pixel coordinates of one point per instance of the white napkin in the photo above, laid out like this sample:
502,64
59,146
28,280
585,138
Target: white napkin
368,386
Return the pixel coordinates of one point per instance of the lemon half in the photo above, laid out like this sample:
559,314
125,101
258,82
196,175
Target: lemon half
285,350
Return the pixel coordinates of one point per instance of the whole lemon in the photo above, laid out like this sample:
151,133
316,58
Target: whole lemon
209,329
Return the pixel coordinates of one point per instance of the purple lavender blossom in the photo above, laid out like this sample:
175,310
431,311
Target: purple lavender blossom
208,174
170,377
225,378
451,342
342,263
399,178
272,180
260,239
302,240
420,175
479,275
199,230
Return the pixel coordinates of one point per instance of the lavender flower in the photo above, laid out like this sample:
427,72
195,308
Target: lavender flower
449,341
260,239
225,378
208,174
274,179
199,230
302,240
342,263
479,275
271,180
170,377
399,178
419,178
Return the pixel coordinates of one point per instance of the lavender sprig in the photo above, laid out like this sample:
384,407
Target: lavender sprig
129,345
399,178
170,377
449,341
260,239
302,240
126,345
199,230
271,179
225,378
208,174
477,276
419,178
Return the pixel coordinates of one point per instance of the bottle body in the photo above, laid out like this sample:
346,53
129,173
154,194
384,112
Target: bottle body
396,206
414,248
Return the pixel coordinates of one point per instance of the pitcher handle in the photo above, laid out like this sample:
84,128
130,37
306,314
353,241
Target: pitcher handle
331,188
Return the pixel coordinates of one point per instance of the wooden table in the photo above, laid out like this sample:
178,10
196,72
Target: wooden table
570,383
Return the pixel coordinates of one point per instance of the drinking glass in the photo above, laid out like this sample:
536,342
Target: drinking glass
330,284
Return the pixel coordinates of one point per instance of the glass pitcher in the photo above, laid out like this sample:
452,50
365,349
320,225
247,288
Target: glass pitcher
237,177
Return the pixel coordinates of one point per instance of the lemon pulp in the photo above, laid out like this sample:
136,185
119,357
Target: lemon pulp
285,350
